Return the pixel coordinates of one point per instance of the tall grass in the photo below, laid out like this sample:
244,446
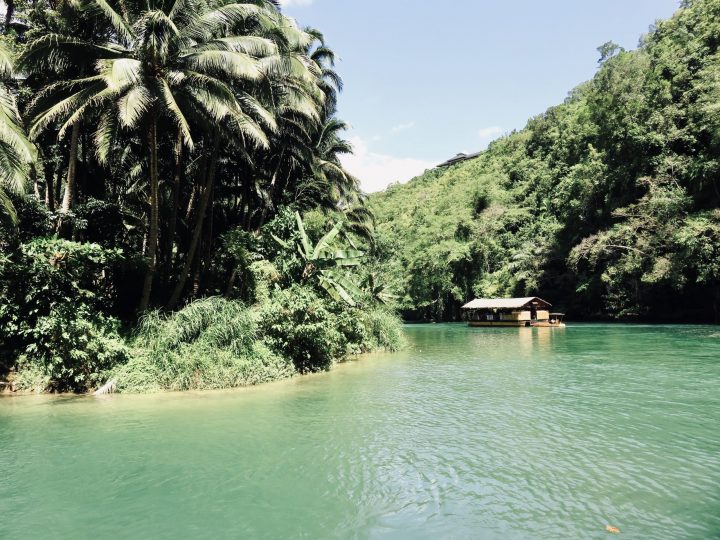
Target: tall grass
384,329
217,343
210,344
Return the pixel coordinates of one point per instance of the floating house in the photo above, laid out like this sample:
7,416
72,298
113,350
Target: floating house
531,311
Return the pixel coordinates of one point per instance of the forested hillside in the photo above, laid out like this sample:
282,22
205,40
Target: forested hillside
607,205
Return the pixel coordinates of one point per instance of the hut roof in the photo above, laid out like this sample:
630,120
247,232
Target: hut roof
506,303
459,158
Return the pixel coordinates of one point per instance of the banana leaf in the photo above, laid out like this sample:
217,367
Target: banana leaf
325,241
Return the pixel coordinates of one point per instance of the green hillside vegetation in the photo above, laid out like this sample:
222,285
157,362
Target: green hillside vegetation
607,205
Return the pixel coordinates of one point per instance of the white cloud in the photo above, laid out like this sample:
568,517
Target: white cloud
377,171
403,127
489,133
287,3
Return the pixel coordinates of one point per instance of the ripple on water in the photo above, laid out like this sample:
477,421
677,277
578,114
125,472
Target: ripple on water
469,433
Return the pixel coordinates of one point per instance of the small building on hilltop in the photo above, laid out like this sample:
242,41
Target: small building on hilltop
459,158
530,311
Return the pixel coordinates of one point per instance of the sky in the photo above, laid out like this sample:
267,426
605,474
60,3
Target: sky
425,80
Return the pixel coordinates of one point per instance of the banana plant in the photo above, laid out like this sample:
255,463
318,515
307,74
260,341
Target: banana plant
323,262
376,286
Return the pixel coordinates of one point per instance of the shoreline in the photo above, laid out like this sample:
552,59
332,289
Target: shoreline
5,392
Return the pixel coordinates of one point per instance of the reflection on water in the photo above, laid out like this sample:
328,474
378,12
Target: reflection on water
471,432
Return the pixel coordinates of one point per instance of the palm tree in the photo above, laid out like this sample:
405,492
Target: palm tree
294,150
70,42
327,183
16,152
178,63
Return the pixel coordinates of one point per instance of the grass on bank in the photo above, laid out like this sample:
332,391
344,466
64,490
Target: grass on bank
216,343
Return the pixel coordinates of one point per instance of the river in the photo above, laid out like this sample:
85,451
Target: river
469,433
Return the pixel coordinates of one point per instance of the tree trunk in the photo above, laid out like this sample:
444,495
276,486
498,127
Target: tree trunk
154,218
175,203
246,205
36,186
192,202
207,242
9,14
58,187
49,184
271,194
197,230
71,183
82,191
231,281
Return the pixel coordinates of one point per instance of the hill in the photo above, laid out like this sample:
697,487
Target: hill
608,204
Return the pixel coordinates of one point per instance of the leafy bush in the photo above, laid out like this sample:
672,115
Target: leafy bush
99,222
70,349
56,331
298,325
231,274
383,328
51,293
33,220
210,344
265,277
314,331
47,272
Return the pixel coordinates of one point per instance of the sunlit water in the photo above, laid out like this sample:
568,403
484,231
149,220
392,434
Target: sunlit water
470,433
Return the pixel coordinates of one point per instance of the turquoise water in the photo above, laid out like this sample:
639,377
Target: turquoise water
470,433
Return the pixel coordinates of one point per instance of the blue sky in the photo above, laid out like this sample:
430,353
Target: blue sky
425,80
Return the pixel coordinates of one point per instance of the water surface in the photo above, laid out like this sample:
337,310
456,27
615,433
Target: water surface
470,433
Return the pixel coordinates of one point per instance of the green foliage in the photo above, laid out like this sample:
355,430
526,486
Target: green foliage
33,221
383,329
605,204
315,331
210,344
266,278
324,260
699,241
299,326
53,294
172,140
47,272
72,349
99,222
16,152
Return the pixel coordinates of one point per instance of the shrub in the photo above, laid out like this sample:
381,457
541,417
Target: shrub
314,331
33,220
100,222
70,349
46,272
31,378
298,325
230,273
51,288
210,344
384,329
349,322
265,276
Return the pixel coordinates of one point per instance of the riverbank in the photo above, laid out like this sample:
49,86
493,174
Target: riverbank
216,344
